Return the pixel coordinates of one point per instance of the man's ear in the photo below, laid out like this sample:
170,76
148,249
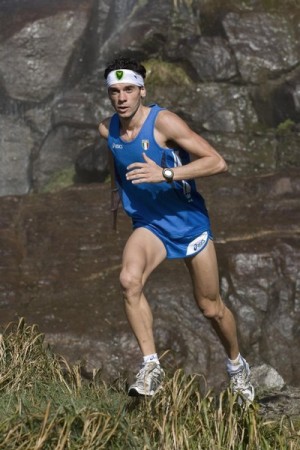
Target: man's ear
143,92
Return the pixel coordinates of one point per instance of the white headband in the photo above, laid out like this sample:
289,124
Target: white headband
124,76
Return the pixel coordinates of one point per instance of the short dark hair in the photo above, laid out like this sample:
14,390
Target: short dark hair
125,63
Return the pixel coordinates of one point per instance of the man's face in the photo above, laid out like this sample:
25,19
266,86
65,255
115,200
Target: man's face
126,98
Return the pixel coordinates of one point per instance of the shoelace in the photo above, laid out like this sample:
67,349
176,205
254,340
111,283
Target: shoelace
239,379
141,376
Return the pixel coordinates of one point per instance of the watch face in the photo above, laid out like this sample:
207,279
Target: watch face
168,174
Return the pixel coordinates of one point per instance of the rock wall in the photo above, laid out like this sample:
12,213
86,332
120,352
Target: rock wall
231,69
241,89
60,261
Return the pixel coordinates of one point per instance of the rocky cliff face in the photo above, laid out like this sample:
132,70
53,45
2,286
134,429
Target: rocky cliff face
239,82
231,69
60,262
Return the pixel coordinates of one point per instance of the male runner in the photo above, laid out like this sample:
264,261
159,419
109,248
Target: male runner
154,175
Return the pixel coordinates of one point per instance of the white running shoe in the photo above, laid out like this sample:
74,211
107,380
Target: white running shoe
148,380
240,382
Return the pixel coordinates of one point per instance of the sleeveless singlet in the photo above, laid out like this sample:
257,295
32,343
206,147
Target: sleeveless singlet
172,209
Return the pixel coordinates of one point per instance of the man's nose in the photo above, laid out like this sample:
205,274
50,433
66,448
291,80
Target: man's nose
122,96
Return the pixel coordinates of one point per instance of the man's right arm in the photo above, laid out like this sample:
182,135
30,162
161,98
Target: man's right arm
115,198
104,127
104,131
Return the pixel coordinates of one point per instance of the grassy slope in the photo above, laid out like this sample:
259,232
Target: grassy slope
45,404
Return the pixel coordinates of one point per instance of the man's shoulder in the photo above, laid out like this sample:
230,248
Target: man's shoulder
104,127
166,114
170,125
165,117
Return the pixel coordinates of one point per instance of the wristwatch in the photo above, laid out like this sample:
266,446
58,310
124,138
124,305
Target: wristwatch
168,174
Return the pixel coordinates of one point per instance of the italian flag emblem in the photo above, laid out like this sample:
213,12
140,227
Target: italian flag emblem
145,144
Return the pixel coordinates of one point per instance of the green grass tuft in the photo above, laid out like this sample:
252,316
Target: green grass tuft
46,404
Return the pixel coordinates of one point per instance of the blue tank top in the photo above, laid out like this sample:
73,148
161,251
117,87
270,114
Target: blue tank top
175,209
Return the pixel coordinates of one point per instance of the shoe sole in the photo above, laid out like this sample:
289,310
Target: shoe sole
133,392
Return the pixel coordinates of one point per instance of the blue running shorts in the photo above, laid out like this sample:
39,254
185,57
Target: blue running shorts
184,246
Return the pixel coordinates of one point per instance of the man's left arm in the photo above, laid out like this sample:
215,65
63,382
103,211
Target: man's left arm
206,160
170,128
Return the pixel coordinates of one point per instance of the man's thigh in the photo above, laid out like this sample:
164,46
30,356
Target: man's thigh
143,252
203,269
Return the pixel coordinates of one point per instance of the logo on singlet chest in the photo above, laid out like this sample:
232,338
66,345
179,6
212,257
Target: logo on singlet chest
145,144
117,146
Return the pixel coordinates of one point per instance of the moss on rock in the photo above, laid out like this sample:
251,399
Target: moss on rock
162,73
60,180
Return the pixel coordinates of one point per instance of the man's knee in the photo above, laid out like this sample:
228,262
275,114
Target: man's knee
131,283
212,309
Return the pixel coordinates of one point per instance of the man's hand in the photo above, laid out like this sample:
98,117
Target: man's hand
147,172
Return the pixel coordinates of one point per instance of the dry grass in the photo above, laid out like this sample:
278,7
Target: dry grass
46,404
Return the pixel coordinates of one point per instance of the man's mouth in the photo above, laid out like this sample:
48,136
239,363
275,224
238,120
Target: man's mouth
122,108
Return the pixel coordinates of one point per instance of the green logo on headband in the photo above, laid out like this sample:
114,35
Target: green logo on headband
119,74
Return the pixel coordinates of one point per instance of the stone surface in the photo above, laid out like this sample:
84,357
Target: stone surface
52,159
274,397
28,57
16,143
241,62
208,58
256,39
221,108
92,162
265,377
60,262
59,258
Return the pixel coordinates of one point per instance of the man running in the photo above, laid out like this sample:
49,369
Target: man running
154,176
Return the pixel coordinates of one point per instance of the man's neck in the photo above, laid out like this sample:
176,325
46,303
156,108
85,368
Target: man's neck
132,125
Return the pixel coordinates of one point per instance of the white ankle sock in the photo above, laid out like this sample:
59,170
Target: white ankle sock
151,358
233,364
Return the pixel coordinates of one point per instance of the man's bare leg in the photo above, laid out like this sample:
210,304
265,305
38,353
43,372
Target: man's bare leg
204,273
143,252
